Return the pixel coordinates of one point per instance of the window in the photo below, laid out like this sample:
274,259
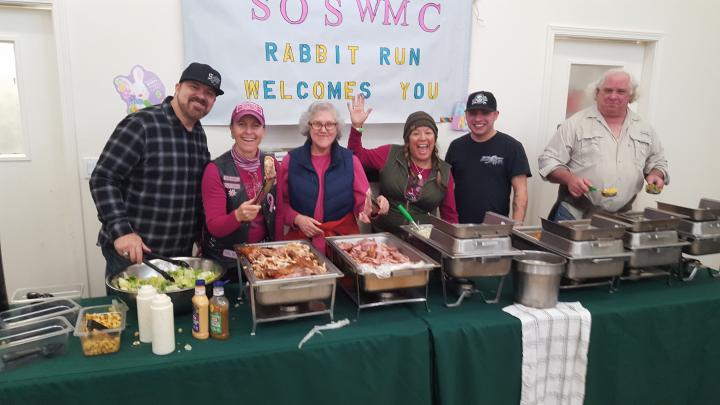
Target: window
12,144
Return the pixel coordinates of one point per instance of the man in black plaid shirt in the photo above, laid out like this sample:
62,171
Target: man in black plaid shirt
146,185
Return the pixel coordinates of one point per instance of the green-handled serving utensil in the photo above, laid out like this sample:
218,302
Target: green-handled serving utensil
408,216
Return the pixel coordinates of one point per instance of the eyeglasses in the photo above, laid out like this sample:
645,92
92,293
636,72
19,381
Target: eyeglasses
329,126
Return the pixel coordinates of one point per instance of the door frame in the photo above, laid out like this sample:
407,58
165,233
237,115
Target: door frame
650,73
71,165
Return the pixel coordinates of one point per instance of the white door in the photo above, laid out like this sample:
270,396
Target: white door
576,64
40,213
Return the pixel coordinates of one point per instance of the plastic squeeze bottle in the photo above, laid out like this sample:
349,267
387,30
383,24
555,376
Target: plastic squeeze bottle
163,325
200,305
145,295
219,313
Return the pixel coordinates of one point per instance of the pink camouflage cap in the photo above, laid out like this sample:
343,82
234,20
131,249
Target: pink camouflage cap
248,108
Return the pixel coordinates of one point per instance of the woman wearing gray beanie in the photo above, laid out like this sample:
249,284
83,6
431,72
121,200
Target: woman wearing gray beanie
411,174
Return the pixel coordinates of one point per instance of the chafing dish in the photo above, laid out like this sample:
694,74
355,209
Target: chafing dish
396,286
707,210
487,256
599,259
650,220
595,228
290,297
494,225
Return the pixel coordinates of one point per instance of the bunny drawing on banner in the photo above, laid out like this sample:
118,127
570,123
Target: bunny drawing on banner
140,89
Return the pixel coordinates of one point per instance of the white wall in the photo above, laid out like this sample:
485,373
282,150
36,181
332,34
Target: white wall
104,39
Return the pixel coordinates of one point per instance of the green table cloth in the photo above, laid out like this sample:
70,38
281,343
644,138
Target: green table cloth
650,344
385,356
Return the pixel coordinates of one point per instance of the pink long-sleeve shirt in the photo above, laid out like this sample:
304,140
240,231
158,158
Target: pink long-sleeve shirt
221,223
376,159
321,164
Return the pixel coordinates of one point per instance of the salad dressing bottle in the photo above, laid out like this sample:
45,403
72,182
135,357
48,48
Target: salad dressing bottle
200,305
144,298
219,313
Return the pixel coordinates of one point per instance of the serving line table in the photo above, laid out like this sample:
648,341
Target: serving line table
382,359
650,344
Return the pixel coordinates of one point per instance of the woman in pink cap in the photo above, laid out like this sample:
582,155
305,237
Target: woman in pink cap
237,209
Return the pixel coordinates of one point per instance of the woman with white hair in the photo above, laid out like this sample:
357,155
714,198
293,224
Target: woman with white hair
322,184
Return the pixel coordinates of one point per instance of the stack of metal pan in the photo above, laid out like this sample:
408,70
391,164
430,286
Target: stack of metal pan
700,226
593,247
651,237
468,251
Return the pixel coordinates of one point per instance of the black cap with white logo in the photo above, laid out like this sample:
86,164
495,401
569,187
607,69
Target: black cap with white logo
202,73
481,100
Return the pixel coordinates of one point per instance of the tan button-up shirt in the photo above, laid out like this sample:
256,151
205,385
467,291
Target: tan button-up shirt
585,145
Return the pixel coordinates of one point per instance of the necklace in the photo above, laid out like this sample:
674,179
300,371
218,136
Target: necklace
416,170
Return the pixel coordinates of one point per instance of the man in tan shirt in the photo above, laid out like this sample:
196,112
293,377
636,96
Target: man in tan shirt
602,155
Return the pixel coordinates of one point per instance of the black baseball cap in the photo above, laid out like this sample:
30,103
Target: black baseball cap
481,100
205,74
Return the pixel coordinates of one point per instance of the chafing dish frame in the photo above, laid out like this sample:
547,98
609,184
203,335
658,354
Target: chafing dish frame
580,269
293,297
496,264
367,290
649,220
595,228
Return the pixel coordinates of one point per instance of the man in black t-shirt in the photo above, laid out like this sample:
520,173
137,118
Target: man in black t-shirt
487,165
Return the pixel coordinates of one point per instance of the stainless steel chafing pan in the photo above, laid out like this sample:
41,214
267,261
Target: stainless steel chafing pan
402,277
495,225
595,228
708,210
291,290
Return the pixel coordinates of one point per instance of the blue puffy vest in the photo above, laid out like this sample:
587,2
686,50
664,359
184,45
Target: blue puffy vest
303,183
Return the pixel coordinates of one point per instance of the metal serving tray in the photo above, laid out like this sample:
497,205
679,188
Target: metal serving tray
595,228
491,263
582,248
700,228
640,240
656,256
410,277
41,310
708,210
473,246
578,267
495,225
650,220
291,290
701,245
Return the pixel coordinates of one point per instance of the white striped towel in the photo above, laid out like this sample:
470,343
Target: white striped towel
555,344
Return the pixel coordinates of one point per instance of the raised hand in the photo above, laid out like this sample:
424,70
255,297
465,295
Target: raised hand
358,115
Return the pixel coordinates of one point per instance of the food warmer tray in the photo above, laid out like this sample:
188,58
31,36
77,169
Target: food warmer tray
582,248
708,210
596,228
468,247
664,255
578,267
701,245
494,225
490,263
290,290
650,220
407,277
645,240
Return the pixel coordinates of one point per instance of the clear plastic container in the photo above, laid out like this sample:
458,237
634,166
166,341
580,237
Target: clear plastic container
40,310
100,328
70,291
31,342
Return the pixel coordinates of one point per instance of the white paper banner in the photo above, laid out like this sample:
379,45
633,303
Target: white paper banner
402,55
